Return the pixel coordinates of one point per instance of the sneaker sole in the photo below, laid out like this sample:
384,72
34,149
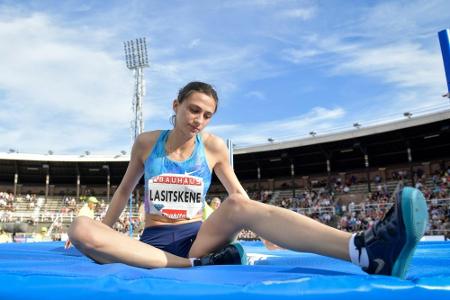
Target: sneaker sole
415,217
244,259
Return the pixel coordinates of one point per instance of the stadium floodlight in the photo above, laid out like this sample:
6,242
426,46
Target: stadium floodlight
136,53
123,152
136,59
407,114
357,125
270,140
50,152
312,133
87,152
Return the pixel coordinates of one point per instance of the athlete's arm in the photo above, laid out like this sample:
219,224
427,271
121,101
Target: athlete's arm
129,181
222,166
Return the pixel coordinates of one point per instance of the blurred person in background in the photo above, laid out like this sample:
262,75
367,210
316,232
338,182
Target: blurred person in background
87,210
4,237
209,209
41,236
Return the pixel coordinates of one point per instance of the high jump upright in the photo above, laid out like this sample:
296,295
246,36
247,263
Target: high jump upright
445,48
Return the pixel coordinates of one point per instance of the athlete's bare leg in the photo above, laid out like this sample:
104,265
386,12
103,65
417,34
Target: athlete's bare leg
283,227
105,245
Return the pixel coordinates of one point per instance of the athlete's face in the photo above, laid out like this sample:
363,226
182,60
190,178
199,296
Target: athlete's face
194,113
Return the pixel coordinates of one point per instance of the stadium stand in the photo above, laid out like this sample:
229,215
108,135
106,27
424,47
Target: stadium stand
345,179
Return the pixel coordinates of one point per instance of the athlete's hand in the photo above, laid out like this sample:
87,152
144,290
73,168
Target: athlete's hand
68,244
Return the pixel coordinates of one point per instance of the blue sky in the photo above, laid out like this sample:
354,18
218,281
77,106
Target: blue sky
281,68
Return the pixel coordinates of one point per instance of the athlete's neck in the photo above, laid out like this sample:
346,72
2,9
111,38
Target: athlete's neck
179,145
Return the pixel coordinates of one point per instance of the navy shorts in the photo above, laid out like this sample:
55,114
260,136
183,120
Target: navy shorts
175,239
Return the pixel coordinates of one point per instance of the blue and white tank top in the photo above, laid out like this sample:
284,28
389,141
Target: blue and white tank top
176,189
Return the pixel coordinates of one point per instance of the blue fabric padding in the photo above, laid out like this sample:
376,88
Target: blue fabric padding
47,271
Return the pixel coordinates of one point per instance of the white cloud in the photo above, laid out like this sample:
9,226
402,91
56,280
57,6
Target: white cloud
61,89
400,20
223,66
256,3
405,65
223,129
318,119
83,8
297,56
70,87
404,56
194,43
298,13
256,95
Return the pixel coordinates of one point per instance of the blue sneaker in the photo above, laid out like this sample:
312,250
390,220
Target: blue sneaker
391,242
232,254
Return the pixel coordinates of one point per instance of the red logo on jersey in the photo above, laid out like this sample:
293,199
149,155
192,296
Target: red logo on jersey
175,213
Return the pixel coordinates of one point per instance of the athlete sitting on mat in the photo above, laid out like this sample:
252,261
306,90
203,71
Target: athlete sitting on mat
177,165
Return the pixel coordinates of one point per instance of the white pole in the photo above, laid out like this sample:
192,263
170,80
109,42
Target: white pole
131,215
230,152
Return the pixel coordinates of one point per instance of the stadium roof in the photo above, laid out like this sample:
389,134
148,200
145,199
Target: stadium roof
318,139
354,133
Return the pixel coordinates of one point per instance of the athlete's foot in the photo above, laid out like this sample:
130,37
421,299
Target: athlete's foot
391,242
232,254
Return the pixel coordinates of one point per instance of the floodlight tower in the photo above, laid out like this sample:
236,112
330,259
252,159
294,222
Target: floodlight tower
136,59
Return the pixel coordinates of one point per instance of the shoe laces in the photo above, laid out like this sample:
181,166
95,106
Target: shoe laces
386,226
381,229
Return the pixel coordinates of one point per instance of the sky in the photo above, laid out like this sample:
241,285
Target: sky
281,68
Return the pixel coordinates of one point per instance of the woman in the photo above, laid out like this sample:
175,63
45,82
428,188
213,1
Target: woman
177,166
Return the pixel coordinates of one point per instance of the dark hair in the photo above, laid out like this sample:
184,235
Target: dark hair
198,86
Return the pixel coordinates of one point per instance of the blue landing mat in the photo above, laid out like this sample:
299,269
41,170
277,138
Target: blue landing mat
47,271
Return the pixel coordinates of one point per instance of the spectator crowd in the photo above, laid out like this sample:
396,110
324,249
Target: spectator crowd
331,204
